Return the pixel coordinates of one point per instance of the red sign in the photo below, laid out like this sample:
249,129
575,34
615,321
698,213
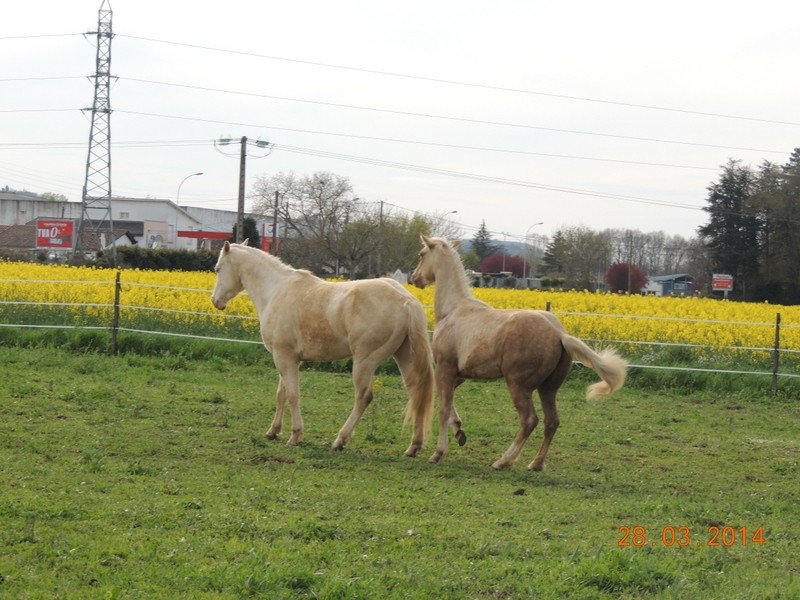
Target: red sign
55,233
721,282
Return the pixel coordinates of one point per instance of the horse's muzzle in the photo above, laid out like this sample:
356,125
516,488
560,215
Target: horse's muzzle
218,304
418,281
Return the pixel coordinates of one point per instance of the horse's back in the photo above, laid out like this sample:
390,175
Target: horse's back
484,342
320,318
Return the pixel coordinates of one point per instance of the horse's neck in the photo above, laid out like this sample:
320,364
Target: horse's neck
451,289
262,277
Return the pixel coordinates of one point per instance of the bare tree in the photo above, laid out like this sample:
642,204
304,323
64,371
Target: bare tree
315,212
329,230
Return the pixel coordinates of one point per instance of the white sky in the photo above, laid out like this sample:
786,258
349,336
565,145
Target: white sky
303,75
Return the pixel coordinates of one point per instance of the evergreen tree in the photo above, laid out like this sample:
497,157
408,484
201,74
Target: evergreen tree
732,233
553,259
249,231
482,243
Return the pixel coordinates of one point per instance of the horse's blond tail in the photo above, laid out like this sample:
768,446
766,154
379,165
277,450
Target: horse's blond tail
609,365
419,380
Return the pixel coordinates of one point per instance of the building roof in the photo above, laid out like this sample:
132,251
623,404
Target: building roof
676,277
18,236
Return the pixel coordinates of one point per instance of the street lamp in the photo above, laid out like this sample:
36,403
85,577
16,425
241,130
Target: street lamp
524,255
178,195
178,203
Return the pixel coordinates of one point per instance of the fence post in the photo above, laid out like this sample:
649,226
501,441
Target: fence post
548,306
776,354
115,322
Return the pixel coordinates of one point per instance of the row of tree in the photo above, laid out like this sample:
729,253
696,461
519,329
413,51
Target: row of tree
752,233
324,227
753,230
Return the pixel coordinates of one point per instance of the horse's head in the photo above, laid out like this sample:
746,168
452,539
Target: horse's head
432,249
229,282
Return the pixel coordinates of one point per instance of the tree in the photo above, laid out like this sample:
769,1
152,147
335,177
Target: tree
330,230
777,201
555,253
578,255
315,212
249,232
482,243
500,262
732,233
54,197
401,245
625,277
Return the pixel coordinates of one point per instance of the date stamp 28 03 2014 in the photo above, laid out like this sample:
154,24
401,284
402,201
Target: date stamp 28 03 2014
681,536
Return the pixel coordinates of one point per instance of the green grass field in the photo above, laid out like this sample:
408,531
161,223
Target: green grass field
150,477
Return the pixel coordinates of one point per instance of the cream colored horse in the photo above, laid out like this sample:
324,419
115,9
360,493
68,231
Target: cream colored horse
529,348
305,318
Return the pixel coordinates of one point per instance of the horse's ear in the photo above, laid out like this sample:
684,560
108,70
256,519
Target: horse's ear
425,240
246,242
226,247
456,244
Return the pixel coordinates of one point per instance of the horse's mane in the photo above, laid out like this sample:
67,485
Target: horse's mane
452,249
265,257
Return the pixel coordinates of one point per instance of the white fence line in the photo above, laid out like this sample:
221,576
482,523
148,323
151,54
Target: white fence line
114,328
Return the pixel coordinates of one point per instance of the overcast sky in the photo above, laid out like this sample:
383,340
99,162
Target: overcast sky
598,114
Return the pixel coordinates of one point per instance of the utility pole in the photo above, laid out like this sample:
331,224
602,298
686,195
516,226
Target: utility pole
96,197
273,246
263,144
240,208
380,240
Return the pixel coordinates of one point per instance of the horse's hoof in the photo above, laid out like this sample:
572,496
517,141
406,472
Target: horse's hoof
412,451
461,437
536,467
338,445
271,435
500,465
435,458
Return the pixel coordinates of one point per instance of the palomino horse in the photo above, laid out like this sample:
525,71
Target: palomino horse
529,348
305,318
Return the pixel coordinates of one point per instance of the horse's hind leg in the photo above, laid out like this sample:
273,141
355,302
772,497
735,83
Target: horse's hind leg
521,396
547,394
363,375
551,422
405,363
455,420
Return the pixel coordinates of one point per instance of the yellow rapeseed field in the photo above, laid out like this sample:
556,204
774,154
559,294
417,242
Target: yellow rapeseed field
182,298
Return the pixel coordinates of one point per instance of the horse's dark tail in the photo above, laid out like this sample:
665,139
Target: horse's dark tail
418,379
609,365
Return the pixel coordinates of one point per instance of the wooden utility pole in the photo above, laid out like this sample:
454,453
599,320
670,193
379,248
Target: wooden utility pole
273,247
240,207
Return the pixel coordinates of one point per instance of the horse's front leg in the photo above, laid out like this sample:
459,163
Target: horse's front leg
288,391
280,403
363,374
446,382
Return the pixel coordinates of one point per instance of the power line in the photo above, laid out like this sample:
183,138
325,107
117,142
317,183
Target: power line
430,116
477,177
433,79
456,119
464,83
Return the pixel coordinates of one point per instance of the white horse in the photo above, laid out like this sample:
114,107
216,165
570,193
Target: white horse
306,318
529,348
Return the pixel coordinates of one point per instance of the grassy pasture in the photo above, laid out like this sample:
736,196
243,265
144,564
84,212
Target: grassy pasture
150,477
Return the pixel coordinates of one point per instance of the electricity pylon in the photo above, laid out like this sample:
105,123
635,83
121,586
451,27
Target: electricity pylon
96,201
